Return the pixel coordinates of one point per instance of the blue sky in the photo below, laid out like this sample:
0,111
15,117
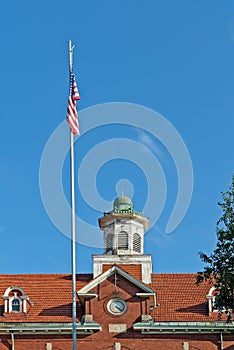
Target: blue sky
174,57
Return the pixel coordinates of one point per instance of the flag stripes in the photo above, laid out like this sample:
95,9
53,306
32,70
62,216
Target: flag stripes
72,115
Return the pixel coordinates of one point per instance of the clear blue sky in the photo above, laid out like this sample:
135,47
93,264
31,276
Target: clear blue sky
174,57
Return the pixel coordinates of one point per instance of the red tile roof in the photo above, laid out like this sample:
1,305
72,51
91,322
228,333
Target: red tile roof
50,293
132,269
179,298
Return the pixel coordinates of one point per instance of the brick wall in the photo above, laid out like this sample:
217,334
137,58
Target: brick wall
129,340
101,341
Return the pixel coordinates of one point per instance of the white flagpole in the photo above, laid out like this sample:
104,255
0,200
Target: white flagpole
73,222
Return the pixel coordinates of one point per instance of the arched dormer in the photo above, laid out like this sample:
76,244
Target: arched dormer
15,300
211,299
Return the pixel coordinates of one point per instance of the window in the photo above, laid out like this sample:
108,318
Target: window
15,304
136,243
123,240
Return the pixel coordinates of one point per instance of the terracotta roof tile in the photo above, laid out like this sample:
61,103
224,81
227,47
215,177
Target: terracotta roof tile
132,269
50,293
179,297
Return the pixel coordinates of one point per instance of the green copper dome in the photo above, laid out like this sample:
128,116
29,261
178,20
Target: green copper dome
123,203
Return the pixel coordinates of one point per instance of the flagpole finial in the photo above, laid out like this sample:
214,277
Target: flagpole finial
70,49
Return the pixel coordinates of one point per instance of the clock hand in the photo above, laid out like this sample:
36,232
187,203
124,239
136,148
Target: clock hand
119,307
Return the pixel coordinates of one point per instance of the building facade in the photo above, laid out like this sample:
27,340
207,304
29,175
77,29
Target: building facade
121,306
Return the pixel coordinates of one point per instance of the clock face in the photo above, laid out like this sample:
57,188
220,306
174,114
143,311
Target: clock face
116,306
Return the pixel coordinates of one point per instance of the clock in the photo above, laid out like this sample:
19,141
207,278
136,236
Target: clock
116,306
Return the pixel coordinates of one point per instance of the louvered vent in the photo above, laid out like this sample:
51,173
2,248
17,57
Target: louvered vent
136,243
109,242
123,240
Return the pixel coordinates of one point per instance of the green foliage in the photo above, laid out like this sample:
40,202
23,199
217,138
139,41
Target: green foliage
219,269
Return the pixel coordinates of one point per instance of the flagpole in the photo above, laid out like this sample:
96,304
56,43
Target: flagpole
73,221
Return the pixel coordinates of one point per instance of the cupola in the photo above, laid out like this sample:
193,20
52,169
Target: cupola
124,230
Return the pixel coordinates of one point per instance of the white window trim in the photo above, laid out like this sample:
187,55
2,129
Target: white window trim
8,299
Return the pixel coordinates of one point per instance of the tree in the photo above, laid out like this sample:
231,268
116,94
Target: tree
219,269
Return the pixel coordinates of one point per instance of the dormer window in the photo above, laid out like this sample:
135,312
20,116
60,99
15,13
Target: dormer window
15,303
211,299
15,300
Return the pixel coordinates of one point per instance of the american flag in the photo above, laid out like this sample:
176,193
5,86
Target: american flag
72,115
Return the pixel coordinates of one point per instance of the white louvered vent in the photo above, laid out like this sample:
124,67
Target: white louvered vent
109,242
136,243
123,240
